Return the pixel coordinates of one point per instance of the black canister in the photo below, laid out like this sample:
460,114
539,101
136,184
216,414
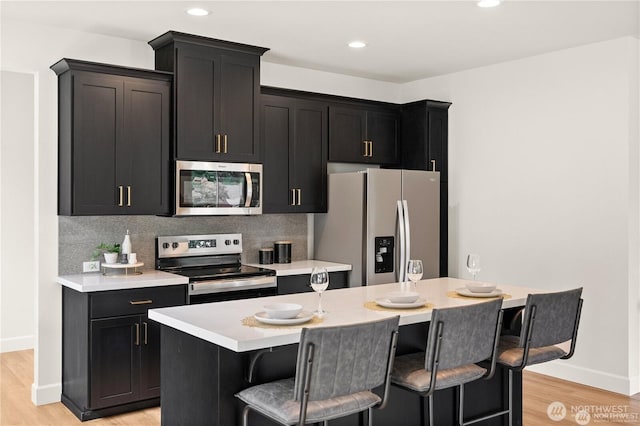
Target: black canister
282,251
265,256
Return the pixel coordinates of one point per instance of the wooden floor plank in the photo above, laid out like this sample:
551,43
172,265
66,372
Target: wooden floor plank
16,408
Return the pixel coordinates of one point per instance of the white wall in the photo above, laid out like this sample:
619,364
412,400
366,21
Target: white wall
17,201
543,160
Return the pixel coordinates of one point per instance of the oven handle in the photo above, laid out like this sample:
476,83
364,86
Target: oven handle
232,284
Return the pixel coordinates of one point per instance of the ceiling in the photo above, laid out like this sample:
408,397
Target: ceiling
407,40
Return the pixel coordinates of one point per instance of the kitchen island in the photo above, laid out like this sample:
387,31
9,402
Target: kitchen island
211,351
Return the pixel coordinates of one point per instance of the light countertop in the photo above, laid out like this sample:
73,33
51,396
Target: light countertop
222,324
95,281
302,267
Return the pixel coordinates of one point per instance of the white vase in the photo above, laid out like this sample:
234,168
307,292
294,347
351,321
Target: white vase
110,257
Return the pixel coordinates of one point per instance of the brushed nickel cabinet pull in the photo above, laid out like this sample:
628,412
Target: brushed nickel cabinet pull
128,196
293,196
141,302
370,148
146,332
299,191
217,150
137,334
225,144
366,148
121,196
433,165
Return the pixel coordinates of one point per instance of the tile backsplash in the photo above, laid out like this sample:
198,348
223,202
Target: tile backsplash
79,235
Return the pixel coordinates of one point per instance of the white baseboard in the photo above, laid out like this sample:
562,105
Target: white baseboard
16,344
48,394
586,376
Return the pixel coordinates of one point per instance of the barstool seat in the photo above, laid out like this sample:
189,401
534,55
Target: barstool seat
336,370
511,354
409,372
275,400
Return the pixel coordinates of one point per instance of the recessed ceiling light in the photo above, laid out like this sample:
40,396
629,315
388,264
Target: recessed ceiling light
357,44
488,3
196,11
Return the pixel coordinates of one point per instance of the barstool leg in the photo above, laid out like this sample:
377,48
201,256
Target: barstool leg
245,416
461,405
510,397
431,410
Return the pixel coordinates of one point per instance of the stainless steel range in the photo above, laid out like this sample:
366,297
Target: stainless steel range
212,263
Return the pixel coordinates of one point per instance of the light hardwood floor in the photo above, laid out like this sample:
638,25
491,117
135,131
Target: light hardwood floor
16,377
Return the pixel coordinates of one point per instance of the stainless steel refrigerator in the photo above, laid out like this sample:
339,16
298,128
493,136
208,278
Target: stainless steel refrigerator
377,220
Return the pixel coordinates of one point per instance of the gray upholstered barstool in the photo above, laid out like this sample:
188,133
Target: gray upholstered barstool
458,338
548,320
336,370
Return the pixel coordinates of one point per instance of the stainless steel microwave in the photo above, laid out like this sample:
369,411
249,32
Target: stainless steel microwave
208,188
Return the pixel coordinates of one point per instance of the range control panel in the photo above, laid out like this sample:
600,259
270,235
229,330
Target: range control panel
198,245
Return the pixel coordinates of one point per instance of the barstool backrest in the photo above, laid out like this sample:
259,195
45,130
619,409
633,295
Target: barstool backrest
345,359
469,335
552,317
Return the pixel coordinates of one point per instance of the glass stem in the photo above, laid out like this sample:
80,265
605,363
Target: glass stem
319,302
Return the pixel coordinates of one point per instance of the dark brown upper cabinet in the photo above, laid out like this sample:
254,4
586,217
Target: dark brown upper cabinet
216,96
294,138
358,134
425,137
113,139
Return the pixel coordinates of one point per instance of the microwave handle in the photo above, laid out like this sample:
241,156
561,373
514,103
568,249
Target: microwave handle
249,199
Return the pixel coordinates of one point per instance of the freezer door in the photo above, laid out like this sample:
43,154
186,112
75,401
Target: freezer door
421,190
339,233
383,192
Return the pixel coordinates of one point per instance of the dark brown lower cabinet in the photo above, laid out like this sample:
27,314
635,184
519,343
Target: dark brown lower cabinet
289,284
111,350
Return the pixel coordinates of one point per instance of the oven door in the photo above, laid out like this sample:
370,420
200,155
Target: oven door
204,188
231,289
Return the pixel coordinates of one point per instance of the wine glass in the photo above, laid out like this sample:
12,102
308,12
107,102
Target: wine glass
319,282
473,264
414,271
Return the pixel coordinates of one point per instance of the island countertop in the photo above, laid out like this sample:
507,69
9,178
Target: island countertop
221,323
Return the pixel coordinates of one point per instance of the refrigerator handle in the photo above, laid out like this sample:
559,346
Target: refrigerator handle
401,270
407,238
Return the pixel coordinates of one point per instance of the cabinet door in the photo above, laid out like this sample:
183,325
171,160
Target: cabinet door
97,125
143,160
291,284
437,136
239,85
196,80
115,360
308,157
347,135
382,131
276,135
150,359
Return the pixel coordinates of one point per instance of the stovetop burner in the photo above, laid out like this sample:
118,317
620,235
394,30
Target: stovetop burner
222,272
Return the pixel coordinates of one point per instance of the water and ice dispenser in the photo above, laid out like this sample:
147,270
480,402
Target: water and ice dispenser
383,247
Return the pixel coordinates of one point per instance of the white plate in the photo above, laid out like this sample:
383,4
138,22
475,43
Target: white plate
466,292
386,303
302,317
